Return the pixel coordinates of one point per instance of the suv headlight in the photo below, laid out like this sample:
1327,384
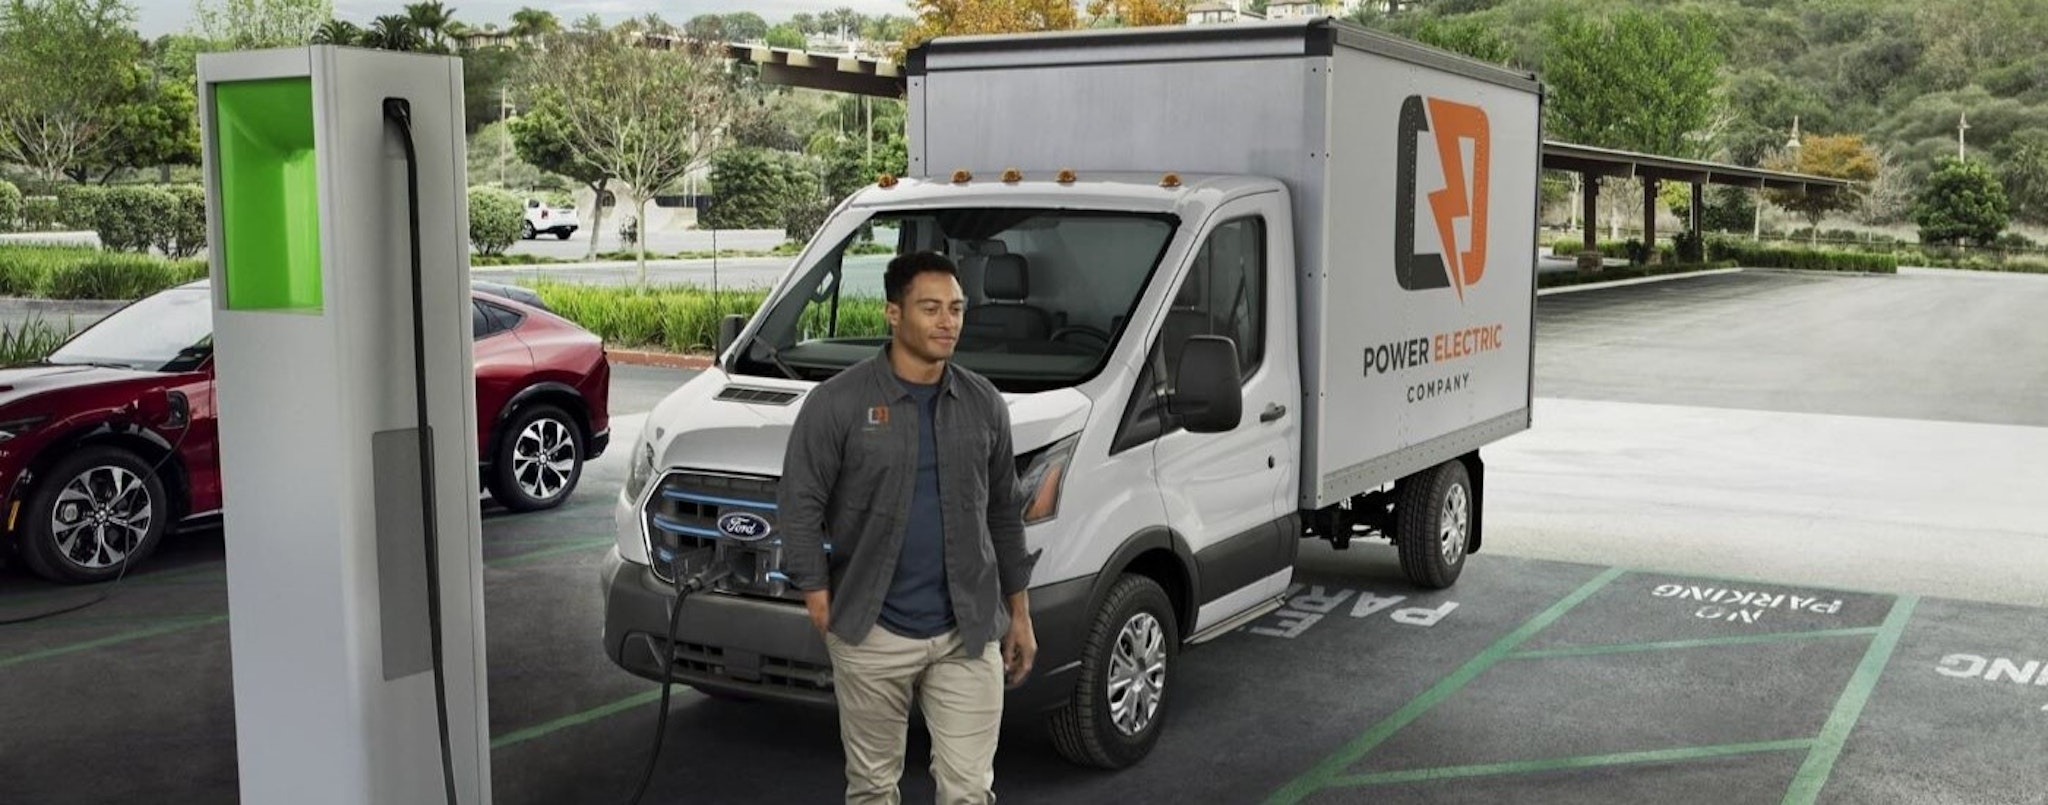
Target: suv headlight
642,470
1041,474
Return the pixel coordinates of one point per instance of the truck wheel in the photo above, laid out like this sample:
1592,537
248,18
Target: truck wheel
539,460
99,509
526,231
1119,704
563,234
1435,524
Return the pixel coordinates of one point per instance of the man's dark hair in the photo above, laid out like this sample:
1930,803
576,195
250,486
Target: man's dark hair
906,267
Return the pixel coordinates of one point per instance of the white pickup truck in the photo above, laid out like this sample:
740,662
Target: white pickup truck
543,218
1240,285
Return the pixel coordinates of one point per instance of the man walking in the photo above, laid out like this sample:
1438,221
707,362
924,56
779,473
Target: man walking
905,461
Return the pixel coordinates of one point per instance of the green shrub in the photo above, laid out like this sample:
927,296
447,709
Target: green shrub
802,220
684,318
33,341
1749,255
77,206
1689,247
10,207
494,218
134,218
39,214
110,276
185,234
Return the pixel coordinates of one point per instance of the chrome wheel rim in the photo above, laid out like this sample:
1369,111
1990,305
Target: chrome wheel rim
543,458
1137,674
1456,522
101,516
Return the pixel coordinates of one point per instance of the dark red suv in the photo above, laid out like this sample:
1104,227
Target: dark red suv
111,440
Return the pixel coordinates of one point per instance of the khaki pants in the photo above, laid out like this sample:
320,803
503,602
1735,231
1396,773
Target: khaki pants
962,700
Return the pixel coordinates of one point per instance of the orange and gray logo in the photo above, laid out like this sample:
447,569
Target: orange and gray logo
1463,195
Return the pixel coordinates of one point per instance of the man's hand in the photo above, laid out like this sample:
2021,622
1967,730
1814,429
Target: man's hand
819,602
1020,646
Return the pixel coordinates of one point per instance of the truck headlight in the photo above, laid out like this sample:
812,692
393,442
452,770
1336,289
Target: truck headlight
1041,474
642,470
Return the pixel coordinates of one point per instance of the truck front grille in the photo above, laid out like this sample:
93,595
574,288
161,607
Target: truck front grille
683,515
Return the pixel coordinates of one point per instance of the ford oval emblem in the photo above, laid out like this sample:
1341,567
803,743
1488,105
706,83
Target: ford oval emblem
744,526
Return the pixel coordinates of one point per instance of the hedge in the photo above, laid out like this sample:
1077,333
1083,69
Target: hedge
10,207
1556,279
494,219
75,272
684,318
1750,255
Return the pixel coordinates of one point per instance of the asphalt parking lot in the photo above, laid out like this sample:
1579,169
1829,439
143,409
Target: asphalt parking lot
1670,606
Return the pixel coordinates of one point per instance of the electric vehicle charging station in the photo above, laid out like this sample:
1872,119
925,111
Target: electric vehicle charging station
338,238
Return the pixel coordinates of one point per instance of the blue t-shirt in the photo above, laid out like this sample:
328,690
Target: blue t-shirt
919,604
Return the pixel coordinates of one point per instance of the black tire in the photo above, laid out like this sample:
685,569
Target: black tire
563,234
526,231
1085,729
518,481
1429,501
97,473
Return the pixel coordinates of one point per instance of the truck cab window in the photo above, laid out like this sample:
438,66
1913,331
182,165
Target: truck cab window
1224,293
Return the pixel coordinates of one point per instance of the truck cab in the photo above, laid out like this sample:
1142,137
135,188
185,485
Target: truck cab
1180,352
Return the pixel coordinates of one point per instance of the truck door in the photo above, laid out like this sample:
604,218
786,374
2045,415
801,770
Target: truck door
1230,494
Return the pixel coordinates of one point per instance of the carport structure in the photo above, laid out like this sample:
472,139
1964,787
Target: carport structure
1597,164
887,79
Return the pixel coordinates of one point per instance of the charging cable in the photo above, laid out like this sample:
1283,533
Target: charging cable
398,111
108,592
685,586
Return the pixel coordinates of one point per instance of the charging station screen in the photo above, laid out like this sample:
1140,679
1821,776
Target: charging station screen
269,199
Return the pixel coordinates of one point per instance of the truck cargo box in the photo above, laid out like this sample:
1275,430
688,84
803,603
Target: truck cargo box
1413,174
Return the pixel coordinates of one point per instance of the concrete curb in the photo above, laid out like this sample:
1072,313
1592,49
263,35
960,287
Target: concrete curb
1594,286
665,360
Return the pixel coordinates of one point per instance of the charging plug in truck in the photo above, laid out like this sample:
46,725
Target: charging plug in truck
1240,286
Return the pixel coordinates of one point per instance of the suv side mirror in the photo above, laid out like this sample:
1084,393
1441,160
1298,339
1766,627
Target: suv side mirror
729,329
1209,393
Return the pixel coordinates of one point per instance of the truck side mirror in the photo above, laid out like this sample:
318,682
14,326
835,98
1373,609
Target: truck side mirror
729,331
1209,394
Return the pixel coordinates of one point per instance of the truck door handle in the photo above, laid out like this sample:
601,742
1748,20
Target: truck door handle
1273,411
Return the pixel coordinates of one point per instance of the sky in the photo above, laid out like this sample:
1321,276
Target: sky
158,17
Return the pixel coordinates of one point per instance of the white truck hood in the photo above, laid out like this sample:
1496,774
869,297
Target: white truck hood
694,428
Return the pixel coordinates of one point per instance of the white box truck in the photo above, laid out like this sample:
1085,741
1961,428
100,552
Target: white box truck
1240,285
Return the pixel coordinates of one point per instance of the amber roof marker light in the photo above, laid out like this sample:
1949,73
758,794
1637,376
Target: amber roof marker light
962,176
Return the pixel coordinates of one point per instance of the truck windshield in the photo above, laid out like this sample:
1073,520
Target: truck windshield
1048,293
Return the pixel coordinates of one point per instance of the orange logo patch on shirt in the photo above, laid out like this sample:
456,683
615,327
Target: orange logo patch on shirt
878,415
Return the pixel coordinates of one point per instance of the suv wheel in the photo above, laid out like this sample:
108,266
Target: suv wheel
1119,705
99,509
539,460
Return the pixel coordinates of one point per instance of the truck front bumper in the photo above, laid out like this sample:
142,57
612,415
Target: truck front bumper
768,650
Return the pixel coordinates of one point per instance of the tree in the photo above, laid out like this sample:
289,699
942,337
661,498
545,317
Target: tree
601,87
533,23
249,24
156,124
392,32
1140,13
786,36
1639,81
936,18
338,32
745,26
1463,35
705,28
2023,170
431,20
486,76
66,68
1962,203
541,139
1836,157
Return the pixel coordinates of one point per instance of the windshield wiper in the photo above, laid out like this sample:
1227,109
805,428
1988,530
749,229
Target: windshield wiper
775,356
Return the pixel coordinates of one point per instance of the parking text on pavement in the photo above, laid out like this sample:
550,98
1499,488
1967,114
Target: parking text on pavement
1743,606
1309,604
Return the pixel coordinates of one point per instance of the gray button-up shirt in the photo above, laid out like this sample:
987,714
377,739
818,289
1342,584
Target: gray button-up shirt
847,479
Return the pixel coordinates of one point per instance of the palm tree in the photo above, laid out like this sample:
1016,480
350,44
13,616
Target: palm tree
533,22
392,32
431,20
338,32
